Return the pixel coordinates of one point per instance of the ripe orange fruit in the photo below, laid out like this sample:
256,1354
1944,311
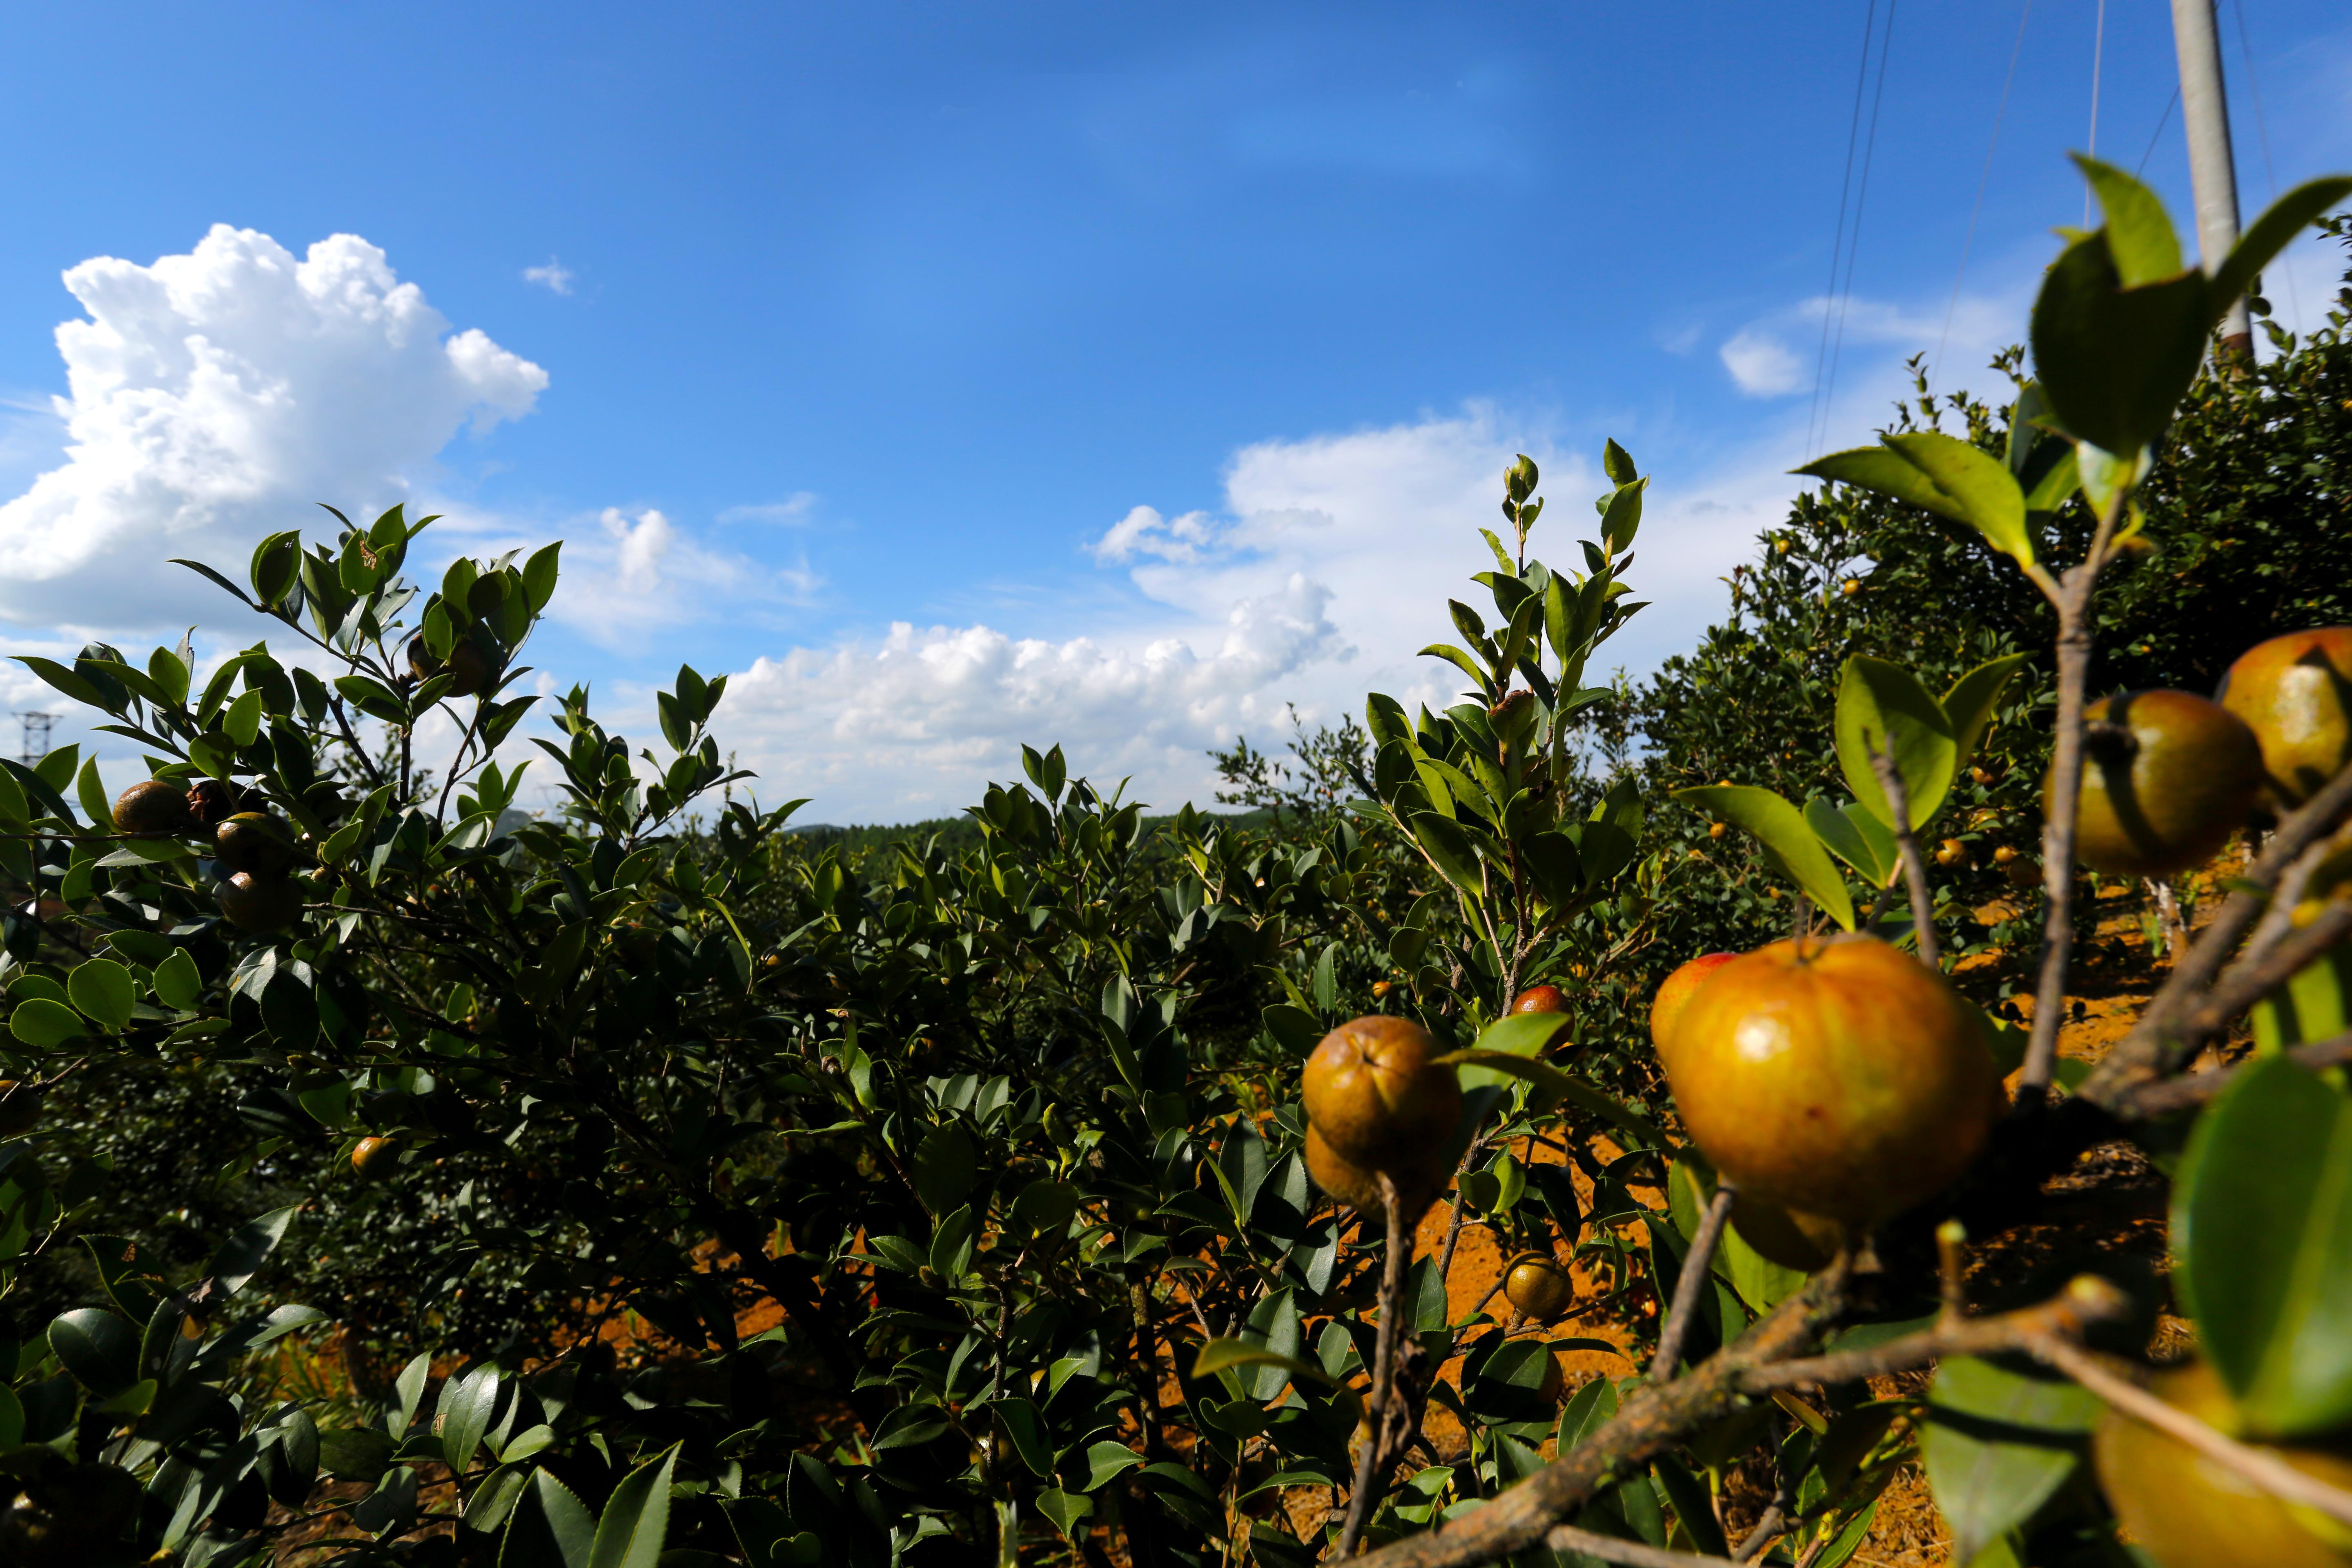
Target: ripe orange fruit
1950,852
254,841
2167,778
1536,1284
263,904
1351,1184
1677,990
2295,693
1844,1078
374,1157
2189,1512
153,807
1371,1092
1537,999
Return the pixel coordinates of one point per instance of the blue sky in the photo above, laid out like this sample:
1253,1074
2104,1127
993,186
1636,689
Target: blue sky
845,317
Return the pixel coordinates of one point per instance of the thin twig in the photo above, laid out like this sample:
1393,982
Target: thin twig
1359,1501
2162,1099
1907,846
2273,1475
1632,1553
2087,1300
1697,1263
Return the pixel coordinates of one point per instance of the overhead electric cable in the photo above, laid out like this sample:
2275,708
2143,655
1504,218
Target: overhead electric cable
1983,180
1837,241
1861,198
2098,52
2161,122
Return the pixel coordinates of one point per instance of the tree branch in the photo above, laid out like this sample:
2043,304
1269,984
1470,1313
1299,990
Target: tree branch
1369,1462
2266,1470
1697,1268
2168,1095
1633,1553
1915,869
2086,1299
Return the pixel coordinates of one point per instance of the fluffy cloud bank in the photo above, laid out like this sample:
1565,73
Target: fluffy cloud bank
213,396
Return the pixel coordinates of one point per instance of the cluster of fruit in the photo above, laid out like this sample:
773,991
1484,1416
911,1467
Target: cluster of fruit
253,850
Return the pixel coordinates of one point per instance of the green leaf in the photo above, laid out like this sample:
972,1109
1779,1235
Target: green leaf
2115,361
1624,517
276,565
2270,234
1882,707
2139,232
549,1528
16,811
45,1025
1462,661
1979,483
240,1257
64,680
1064,1510
1968,705
1450,851
468,1404
104,992
98,1347
1223,1356
539,574
1552,1086
178,985
2051,491
946,1166
1106,1460
1788,843
1525,1034
1618,464
1999,1442
1031,1440
2262,1226
1856,837
635,1519
91,791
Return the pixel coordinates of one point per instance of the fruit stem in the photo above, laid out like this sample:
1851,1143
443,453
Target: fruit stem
1697,1263
1907,846
1372,1461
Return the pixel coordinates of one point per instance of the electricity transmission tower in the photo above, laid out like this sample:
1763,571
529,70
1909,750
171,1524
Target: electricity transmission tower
35,732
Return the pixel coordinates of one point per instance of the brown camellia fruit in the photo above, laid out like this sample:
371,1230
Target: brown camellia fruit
373,1157
2295,693
2186,1511
20,1107
467,668
263,904
212,802
254,841
1789,1237
1678,988
1537,1286
153,807
1842,1079
1539,999
1351,1184
1379,1104
2167,778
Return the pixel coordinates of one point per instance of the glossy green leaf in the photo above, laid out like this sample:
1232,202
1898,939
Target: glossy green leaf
1856,837
2262,1227
1998,1441
178,986
1106,1460
45,1025
549,1528
1551,1086
2270,234
1525,1034
946,1166
1031,1439
240,1257
1883,709
468,1404
1971,703
1063,1510
1984,494
2115,361
635,1520
103,992
1224,1354
90,791
1788,842
354,1453
1449,848
98,1347
2139,232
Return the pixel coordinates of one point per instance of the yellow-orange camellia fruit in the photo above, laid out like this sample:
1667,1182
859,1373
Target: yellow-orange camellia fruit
1351,1184
262,904
1842,1079
1537,1286
2295,693
2167,778
374,1157
2186,1511
1678,988
1379,1105
1537,999
153,807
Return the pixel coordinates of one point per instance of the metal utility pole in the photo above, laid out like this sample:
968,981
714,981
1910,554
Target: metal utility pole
2213,166
36,736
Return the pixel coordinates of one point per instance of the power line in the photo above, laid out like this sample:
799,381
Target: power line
1837,242
1861,198
2098,55
1983,180
2161,122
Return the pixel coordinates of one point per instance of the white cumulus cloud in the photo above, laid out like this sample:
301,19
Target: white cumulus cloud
213,396
1762,365
554,276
